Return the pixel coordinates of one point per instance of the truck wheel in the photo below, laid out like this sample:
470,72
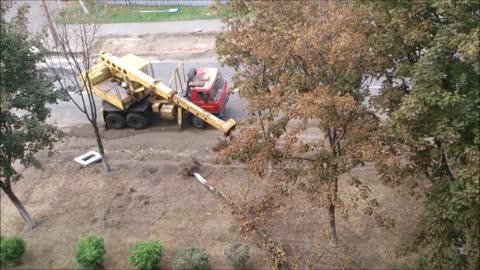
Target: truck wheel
136,120
221,114
115,120
197,122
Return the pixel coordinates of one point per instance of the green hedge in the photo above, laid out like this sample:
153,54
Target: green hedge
192,258
145,255
90,251
12,250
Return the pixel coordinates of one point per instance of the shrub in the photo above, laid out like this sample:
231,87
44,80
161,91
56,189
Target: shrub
192,258
237,255
11,250
90,251
145,255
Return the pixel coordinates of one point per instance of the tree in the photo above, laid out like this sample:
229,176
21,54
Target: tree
305,61
25,91
431,49
428,54
76,46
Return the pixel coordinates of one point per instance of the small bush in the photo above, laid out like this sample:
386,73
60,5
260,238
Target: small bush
90,251
237,255
192,258
11,250
145,255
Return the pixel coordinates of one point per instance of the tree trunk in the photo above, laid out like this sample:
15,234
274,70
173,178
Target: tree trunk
331,213
333,225
21,209
101,149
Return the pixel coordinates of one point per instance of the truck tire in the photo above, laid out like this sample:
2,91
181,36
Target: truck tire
221,114
197,122
137,120
115,120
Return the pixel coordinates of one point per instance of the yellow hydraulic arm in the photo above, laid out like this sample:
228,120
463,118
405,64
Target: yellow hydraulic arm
162,90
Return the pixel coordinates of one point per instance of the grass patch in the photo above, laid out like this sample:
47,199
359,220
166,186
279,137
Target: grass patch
108,13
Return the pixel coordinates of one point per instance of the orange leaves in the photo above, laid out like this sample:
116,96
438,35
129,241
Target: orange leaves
333,40
331,110
242,146
251,147
301,61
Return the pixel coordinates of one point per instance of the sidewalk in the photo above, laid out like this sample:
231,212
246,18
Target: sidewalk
160,27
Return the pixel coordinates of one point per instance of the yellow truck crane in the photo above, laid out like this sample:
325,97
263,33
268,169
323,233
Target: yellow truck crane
130,95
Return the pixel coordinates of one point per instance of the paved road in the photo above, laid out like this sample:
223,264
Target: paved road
65,114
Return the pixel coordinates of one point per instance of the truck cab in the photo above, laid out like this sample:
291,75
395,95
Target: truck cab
208,90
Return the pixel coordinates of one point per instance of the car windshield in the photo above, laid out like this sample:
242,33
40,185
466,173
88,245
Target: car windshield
217,86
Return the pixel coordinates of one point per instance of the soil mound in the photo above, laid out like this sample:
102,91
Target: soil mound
133,207
187,168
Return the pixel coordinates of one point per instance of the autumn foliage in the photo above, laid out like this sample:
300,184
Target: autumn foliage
307,65
304,66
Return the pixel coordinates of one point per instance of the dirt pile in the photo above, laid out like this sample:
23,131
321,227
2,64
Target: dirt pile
132,207
187,168
162,46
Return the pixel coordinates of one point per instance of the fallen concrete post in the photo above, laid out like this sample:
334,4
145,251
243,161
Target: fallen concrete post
280,260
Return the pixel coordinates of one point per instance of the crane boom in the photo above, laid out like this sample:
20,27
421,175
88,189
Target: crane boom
162,90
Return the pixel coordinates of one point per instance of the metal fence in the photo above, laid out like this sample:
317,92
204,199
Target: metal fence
160,2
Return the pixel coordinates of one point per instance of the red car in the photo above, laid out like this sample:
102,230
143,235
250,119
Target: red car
207,89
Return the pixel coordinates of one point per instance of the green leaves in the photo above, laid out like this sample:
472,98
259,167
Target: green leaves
192,258
436,123
12,250
145,255
90,251
237,255
308,62
24,92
